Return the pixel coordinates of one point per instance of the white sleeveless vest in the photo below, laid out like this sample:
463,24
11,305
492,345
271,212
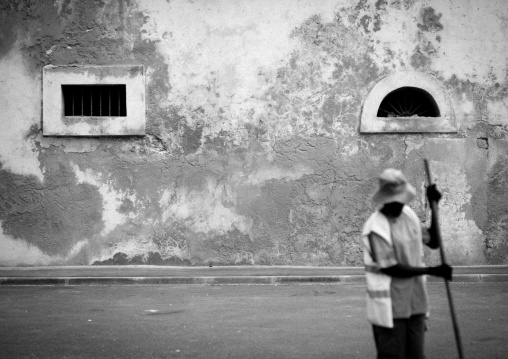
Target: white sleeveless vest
379,302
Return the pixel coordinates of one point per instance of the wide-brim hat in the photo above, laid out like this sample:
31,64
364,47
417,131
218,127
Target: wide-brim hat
393,187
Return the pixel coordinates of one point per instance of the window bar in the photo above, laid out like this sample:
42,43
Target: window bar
100,102
91,103
118,100
82,105
72,97
109,102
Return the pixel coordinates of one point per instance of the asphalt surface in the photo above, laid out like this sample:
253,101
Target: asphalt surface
232,321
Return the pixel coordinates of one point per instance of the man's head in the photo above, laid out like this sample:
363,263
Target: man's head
392,209
393,188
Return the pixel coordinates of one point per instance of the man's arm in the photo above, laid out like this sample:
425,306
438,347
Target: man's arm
430,237
433,195
405,271
383,254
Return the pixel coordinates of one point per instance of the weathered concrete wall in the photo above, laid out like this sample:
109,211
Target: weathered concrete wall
252,153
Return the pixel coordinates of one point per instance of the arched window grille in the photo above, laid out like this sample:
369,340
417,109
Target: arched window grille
408,102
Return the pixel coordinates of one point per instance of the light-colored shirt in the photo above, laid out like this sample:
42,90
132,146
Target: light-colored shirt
409,295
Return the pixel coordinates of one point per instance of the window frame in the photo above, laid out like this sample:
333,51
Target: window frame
55,123
445,123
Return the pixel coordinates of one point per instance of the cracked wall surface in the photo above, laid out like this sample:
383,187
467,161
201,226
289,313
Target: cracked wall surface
252,153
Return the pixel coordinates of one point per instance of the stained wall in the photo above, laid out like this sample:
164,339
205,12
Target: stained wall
252,152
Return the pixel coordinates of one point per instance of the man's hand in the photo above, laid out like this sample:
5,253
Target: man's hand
433,194
443,271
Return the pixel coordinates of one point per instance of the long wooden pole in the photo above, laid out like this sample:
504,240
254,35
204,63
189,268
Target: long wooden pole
435,223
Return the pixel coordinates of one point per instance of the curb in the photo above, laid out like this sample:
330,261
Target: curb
223,280
227,280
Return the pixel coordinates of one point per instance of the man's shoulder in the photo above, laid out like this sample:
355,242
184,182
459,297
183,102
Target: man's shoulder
374,217
378,223
410,214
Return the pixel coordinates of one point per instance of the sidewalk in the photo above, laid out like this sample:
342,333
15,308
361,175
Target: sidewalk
143,274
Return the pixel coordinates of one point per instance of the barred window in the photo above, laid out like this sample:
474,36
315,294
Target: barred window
94,100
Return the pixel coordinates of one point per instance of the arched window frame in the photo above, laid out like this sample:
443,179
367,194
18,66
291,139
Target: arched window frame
445,123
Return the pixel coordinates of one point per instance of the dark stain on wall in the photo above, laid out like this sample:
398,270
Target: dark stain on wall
233,248
430,20
365,21
53,216
497,226
479,95
420,60
191,138
354,71
425,51
7,33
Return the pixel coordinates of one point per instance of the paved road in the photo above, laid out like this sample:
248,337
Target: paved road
229,321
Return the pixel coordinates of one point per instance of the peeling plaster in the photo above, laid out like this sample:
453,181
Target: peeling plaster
463,209
465,108
498,112
463,240
71,145
112,199
210,210
267,173
413,144
20,115
129,246
393,42
497,243
14,252
252,153
460,48
463,51
17,252
221,56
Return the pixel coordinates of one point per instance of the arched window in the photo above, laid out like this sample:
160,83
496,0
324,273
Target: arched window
408,102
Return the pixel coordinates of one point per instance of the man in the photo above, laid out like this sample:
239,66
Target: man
393,239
